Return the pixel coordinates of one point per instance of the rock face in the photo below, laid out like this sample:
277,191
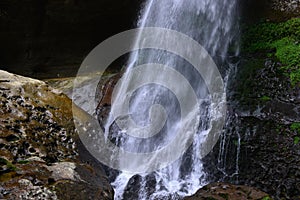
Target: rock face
104,94
50,38
270,151
221,191
274,10
41,156
260,147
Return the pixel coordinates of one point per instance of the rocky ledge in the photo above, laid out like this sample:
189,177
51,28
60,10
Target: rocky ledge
221,191
40,154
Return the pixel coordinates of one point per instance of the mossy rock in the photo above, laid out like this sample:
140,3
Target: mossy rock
279,41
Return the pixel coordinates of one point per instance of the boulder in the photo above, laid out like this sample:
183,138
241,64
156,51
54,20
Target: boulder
221,191
41,156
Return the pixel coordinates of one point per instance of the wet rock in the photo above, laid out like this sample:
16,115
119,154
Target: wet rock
85,182
83,85
221,191
271,10
262,90
287,6
260,147
35,120
64,85
104,94
41,156
64,171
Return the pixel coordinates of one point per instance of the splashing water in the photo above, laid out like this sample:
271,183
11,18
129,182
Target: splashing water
213,24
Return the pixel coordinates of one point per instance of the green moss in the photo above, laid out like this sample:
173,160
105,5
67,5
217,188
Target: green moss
247,75
279,128
288,53
261,36
266,198
278,40
296,140
8,164
265,98
295,77
296,127
22,162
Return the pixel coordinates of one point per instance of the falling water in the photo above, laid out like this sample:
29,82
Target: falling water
213,24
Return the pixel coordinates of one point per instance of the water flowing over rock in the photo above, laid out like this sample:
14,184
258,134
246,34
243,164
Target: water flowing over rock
41,155
213,25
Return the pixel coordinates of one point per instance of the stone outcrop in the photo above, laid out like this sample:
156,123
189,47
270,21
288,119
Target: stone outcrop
221,191
261,141
41,156
271,10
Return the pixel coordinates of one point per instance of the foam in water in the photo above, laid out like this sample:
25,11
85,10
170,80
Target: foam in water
213,24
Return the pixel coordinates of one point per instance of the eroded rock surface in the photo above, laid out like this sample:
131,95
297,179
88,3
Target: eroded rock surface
41,156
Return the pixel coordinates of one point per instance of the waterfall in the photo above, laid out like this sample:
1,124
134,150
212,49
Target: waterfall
212,23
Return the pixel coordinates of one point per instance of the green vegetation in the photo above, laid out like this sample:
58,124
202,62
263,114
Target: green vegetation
288,52
265,98
22,162
8,164
279,40
296,140
296,127
266,198
279,128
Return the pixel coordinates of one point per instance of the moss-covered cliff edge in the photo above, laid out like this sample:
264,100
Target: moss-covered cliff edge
262,138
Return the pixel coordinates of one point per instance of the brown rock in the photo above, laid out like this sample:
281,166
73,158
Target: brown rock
39,148
225,191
